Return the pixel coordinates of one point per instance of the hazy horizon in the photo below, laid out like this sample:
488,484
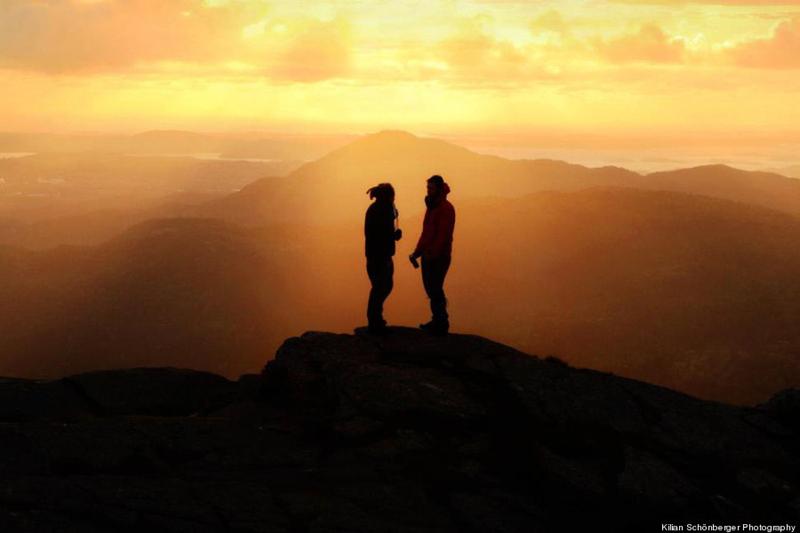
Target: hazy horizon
642,154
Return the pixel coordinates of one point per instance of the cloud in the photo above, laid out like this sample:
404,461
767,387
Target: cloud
711,2
779,51
226,36
59,36
248,39
472,52
550,21
322,50
649,45
467,55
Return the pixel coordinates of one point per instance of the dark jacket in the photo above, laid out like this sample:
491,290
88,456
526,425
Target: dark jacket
379,230
437,228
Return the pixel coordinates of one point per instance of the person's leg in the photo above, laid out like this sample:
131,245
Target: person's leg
438,298
375,304
387,281
381,274
427,283
433,275
426,276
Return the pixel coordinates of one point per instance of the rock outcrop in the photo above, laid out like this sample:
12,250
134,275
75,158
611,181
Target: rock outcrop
407,433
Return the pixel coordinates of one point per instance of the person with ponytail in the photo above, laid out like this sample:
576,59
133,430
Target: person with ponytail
380,232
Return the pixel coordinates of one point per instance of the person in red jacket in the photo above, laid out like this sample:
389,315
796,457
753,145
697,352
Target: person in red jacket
435,247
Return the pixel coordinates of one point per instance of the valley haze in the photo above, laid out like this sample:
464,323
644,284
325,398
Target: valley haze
688,278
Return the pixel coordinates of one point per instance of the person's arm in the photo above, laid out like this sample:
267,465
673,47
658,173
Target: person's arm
387,224
369,222
425,238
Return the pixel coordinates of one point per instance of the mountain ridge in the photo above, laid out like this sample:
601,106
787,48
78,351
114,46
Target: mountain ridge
330,189
407,161
690,292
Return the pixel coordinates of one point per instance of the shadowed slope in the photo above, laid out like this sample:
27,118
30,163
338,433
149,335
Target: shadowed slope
181,292
689,292
765,189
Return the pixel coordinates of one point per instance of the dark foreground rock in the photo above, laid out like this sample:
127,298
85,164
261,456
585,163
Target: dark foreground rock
408,433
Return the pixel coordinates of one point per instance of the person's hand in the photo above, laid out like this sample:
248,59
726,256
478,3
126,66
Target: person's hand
413,259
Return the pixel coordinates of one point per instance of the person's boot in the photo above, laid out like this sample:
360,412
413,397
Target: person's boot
439,328
381,330
440,322
435,328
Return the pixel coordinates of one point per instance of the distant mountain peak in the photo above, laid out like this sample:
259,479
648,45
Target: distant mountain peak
403,133
719,170
390,138
168,133
717,167
394,133
394,141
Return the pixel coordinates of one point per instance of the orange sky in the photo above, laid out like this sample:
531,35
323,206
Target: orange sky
431,66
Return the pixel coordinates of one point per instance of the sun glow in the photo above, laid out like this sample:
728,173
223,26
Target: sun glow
441,65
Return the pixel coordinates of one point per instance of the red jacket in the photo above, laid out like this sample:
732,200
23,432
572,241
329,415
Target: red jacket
437,228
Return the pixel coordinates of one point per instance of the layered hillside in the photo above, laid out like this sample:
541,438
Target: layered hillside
693,293
46,186
331,188
167,292
58,196
687,291
766,189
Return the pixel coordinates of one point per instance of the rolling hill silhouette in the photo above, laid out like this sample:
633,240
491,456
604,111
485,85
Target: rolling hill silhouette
188,292
329,189
44,187
684,291
85,199
790,171
720,181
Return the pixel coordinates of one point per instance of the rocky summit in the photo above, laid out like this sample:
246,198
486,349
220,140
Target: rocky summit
403,433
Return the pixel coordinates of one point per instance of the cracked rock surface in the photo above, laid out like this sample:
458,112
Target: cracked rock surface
407,433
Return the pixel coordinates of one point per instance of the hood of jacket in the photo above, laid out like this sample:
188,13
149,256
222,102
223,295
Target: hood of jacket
431,203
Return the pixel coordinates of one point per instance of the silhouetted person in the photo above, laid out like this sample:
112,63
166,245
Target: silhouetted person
435,247
380,233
